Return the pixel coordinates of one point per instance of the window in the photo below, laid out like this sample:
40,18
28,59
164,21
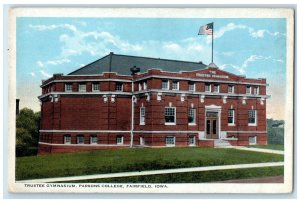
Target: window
142,115
119,139
95,87
255,90
82,87
165,84
216,88
140,86
252,117
68,87
207,87
248,90
67,139
252,140
170,113
191,86
145,85
93,139
119,86
231,117
230,89
192,116
170,141
192,140
80,139
175,85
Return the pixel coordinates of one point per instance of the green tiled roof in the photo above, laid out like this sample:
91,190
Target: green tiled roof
122,64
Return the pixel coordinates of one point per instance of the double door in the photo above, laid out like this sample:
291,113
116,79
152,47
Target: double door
212,125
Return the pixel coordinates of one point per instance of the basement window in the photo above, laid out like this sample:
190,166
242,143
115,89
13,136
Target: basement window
80,139
93,139
170,141
67,139
120,139
252,140
192,140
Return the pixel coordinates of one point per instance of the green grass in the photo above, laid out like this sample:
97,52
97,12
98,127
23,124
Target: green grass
269,146
111,161
195,177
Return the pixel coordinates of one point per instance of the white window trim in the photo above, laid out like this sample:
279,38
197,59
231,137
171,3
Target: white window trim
194,87
194,123
171,145
257,92
145,85
91,137
79,85
232,124
66,90
176,81
142,123
194,141
174,117
168,85
93,90
209,88
215,88
255,138
122,140
253,124
77,138
232,92
142,141
121,87
250,90
140,87
65,142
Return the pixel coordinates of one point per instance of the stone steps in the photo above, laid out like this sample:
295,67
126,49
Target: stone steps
221,143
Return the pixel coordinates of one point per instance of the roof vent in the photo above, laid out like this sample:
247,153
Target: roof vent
200,62
134,70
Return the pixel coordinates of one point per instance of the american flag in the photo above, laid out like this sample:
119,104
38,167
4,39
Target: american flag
206,29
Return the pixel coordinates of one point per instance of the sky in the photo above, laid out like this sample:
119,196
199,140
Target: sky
252,47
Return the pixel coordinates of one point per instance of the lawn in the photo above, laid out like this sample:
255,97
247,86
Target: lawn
137,159
195,177
269,146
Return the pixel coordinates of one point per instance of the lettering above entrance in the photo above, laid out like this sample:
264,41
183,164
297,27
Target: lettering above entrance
212,74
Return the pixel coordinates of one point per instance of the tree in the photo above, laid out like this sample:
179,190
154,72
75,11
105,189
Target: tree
27,132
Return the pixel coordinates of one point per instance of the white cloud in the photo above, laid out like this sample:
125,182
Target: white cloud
171,46
251,59
40,64
45,74
53,27
252,32
32,74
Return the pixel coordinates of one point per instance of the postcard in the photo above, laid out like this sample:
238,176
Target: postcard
151,100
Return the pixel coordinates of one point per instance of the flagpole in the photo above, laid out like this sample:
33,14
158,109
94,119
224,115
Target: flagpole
212,44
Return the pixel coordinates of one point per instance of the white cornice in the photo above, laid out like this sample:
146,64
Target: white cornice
199,80
156,91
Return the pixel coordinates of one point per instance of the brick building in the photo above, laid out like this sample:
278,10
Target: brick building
162,103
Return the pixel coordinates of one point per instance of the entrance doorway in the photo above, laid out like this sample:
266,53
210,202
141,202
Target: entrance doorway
212,125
